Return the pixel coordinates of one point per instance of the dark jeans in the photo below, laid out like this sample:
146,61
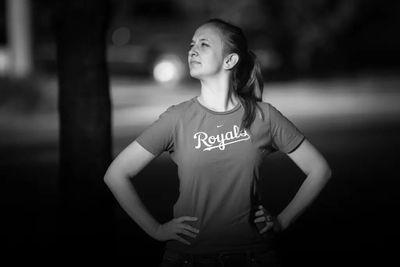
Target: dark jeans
237,259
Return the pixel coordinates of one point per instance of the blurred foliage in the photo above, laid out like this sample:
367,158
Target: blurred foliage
296,30
307,28
292,37
314,35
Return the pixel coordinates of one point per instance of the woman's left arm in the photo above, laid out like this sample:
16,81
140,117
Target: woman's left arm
318,172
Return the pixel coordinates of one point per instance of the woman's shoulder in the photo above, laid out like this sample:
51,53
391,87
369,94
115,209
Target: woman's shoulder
269,110
265,106
180,108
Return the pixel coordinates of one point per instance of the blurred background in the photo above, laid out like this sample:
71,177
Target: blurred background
105,70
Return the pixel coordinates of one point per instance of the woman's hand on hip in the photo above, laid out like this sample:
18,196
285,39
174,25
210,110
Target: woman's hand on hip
175,228
265,221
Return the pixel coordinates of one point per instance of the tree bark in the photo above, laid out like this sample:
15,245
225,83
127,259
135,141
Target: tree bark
85,213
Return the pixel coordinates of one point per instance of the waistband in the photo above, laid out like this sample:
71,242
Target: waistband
247,252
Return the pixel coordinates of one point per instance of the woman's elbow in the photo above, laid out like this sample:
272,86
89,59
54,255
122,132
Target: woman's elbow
107,176
321,170
111,176
326,171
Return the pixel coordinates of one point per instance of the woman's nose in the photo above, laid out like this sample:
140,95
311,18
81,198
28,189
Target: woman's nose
193,51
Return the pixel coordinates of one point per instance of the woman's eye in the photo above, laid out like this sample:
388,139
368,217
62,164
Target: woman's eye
202,45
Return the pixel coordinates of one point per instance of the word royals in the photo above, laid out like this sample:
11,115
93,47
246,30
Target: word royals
220,141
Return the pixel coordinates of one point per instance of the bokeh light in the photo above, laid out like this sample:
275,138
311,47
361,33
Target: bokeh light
168,69
121,36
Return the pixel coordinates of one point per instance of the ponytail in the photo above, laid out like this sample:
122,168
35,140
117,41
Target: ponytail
251,92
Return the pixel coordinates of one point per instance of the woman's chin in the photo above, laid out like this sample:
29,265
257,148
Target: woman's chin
194,74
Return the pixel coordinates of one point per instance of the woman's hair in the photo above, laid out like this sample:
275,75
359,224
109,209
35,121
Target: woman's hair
246,78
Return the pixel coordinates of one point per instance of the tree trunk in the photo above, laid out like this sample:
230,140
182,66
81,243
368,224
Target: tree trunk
85,213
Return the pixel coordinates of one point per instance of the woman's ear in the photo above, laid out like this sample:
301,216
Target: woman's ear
230,61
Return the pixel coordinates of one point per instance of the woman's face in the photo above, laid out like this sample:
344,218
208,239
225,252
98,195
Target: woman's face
205,55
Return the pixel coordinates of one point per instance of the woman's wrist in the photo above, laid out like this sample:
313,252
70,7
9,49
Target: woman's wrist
280,224
154,230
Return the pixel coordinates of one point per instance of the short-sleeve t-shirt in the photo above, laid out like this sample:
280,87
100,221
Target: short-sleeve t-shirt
217,165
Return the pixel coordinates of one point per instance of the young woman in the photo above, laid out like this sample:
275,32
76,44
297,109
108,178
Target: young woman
218,140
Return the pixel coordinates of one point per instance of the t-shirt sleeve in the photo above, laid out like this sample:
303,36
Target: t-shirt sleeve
285,136
159,136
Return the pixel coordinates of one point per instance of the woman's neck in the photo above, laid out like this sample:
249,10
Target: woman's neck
215,95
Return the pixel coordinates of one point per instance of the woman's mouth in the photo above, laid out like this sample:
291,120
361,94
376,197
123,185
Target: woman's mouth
193,62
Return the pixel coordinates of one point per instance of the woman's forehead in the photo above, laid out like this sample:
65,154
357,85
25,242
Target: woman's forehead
207,32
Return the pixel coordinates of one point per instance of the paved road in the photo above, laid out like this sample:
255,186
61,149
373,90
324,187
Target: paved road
355,124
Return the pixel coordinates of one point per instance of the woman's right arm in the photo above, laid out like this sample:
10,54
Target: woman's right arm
126,165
